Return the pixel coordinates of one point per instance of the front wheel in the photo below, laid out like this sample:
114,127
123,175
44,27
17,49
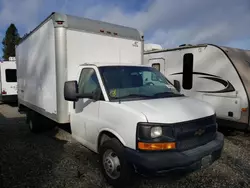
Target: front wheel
114,165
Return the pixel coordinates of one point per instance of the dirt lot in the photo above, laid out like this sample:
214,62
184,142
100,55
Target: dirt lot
54,159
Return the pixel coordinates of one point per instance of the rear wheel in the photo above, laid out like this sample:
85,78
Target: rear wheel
38,123
34,122
115,168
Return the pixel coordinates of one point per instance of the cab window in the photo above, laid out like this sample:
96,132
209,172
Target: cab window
88,82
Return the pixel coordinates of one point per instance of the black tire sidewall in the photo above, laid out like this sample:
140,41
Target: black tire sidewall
36,122
127,174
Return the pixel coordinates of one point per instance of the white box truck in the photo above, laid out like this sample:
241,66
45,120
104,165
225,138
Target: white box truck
8,81
88,74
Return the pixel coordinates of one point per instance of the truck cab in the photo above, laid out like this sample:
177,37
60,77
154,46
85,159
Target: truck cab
138,122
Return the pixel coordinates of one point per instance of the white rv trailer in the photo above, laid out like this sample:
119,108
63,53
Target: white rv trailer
88,74
218,75
8,81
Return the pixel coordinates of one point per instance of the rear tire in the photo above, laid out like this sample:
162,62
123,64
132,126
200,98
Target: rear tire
38,123
115,168
34,122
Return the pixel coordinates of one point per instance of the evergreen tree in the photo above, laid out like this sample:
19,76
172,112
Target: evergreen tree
9,42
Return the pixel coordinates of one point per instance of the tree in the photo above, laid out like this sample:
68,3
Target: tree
11,39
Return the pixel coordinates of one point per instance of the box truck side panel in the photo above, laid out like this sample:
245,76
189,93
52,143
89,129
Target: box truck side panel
37,72
83,47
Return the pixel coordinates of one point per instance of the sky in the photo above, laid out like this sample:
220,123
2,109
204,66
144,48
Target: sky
165,22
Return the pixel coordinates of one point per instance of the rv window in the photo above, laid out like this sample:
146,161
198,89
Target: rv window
10,75
187,79
157,66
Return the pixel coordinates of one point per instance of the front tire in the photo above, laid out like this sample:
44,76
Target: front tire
115,168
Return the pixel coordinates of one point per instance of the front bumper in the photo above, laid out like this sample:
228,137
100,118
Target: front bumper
156,163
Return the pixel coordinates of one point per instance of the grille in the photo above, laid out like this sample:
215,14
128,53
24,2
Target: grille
195,141
187,133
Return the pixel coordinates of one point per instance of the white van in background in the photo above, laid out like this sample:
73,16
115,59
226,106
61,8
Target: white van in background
8,81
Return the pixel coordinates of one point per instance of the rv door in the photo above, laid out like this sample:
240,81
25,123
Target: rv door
158,63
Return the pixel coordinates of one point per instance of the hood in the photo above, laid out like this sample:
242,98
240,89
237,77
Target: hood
171,110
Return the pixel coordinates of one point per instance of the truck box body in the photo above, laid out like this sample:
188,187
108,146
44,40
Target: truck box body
8,81
51,54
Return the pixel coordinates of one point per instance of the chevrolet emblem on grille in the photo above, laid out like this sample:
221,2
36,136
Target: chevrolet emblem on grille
199,132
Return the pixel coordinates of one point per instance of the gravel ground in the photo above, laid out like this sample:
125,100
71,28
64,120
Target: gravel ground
54,159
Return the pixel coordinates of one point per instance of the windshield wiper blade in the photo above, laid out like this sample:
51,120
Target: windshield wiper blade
167,94
134,95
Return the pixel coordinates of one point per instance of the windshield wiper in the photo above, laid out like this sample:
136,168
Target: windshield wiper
133,96
167,94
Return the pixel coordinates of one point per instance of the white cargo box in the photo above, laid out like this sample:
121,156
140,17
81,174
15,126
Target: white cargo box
51,54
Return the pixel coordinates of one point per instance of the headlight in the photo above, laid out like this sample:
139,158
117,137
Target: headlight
156,132
155,137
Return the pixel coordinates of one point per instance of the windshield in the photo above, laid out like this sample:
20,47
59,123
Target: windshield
123,82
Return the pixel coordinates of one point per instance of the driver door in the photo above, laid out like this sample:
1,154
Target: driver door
85,120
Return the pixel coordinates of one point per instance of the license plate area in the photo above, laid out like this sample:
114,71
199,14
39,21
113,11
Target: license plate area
206,161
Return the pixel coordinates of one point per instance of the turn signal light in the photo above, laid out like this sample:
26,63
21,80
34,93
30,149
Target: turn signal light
156,146
244,109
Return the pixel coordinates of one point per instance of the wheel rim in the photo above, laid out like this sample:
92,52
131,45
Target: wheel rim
111,164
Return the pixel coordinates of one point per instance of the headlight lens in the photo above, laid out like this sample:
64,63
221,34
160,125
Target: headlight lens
155,137
156,132
153,132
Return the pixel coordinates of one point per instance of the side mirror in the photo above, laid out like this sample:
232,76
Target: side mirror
177,85
71,91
